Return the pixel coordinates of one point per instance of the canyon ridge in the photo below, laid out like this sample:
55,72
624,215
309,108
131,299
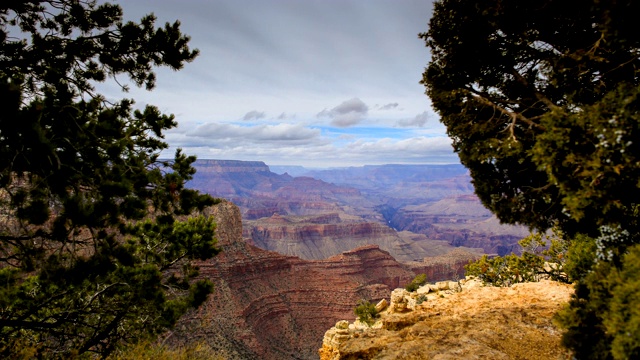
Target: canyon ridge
410,211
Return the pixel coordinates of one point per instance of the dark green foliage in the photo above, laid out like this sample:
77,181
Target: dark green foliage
603,317
624,320
366,312
418,281
580,258
96,249
542,101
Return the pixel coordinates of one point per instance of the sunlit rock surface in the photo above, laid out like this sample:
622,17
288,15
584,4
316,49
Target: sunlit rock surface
451,320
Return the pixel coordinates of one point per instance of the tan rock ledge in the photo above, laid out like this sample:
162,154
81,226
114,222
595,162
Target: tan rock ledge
475,323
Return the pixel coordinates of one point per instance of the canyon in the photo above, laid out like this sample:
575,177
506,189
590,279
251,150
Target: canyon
325,235
405,209
267,305
299,252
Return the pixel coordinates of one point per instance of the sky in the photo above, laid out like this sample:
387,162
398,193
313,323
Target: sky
315,83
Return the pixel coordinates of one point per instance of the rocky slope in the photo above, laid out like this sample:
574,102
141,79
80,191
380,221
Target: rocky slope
461,221
329,234
271,306
261,193
373,203
447,321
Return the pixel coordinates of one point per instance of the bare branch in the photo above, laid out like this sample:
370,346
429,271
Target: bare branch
514,116
550,104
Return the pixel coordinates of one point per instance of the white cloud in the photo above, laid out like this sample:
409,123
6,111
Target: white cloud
421,146
298,145
354,105
389,106
233,136
293,61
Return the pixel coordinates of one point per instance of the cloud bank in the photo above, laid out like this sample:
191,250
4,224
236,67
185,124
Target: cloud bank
295,82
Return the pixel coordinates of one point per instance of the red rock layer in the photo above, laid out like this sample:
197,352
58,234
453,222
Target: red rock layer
325,235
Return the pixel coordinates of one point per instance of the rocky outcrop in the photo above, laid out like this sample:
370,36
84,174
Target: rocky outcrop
457,320
230,179
261,193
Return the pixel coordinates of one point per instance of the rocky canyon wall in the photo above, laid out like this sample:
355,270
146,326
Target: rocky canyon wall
271,306
322,236
436,201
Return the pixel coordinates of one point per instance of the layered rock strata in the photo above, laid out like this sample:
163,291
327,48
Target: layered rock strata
271,306
325,235
435,201
461,221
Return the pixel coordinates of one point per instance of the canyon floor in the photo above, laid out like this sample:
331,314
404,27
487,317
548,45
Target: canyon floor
476,323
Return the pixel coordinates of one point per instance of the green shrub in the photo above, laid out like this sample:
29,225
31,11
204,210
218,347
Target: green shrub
548,254
418,281
506,270
366,312
542,256
581,257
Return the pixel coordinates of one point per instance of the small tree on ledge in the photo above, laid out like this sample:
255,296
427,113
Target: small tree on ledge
366,312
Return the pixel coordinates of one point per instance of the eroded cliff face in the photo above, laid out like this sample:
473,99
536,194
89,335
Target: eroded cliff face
461,221
271,306
429,200
322,236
